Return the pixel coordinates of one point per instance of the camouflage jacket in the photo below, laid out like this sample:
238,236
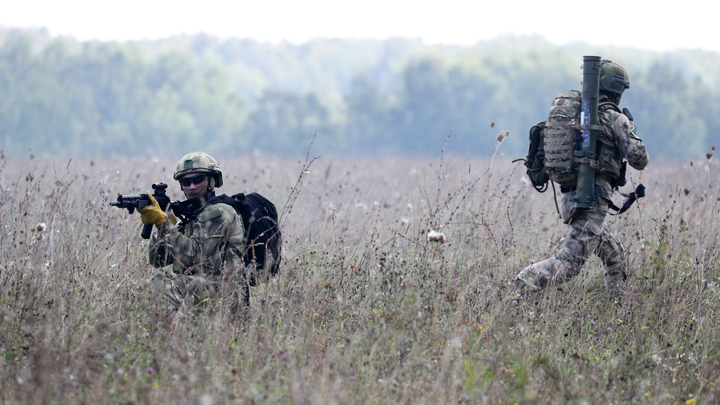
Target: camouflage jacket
199,246
620,132
627,146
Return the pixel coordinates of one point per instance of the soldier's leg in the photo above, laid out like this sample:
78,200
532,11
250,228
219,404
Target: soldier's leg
243,283
612,254
168,285
234,288
199,290
582,240
240,298
536,276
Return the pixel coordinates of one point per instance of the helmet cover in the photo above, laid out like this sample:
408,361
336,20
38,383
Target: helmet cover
199,162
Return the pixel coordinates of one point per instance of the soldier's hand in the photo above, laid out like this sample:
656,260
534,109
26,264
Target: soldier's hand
151,214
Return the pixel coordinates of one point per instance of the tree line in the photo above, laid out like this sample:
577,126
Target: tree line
397,96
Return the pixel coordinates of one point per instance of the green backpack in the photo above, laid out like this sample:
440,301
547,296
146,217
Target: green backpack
551,153
552,143
561,130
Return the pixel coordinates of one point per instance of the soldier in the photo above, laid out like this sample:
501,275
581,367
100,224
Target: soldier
203,250
588,234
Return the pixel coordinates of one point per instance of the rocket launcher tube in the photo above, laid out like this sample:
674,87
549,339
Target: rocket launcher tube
586,145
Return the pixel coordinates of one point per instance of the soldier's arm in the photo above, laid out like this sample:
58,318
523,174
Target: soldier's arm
159,252
630,146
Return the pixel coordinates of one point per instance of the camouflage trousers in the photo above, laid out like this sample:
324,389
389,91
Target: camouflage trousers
587,236
195,291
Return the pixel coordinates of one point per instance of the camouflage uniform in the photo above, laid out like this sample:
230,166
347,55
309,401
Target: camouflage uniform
204,252
202,267
588,234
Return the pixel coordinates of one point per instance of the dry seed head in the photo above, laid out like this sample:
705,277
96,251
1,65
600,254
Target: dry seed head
687,191
713,148
709,155
692,163
492,125
436,237
502,135
40,227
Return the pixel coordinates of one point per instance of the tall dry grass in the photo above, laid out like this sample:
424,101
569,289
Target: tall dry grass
365,309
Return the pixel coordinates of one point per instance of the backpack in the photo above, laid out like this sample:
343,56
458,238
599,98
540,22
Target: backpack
559,135
552,144
262,230
551,154
534,160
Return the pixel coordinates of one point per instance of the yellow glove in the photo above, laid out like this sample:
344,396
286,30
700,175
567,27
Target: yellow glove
152,214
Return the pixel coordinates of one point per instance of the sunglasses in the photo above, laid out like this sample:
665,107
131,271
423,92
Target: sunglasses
196,180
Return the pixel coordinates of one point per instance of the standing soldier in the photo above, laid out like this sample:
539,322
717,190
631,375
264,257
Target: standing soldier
588,235
203,250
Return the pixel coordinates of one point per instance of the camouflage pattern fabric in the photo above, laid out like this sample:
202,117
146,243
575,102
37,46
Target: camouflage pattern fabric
188,292
621,131
588,234
198,162
613,77
561,131
559,138
202,268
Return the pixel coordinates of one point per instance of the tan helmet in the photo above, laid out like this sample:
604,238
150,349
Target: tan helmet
199,162
613,77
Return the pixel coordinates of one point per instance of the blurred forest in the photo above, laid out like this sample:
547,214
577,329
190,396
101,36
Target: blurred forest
62,97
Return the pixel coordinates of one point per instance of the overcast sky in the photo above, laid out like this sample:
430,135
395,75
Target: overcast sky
641,23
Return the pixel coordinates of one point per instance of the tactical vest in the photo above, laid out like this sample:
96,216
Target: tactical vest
559,141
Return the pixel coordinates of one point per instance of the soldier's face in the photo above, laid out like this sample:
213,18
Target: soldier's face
195,184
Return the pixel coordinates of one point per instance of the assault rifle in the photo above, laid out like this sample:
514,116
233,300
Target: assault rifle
133,201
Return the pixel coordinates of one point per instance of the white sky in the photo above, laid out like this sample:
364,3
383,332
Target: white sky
646,24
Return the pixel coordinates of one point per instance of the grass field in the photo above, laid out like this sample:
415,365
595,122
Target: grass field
365,309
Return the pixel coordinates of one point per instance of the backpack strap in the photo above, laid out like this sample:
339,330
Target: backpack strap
557,208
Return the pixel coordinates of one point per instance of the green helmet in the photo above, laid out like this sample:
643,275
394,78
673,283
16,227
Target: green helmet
199,162
613,77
